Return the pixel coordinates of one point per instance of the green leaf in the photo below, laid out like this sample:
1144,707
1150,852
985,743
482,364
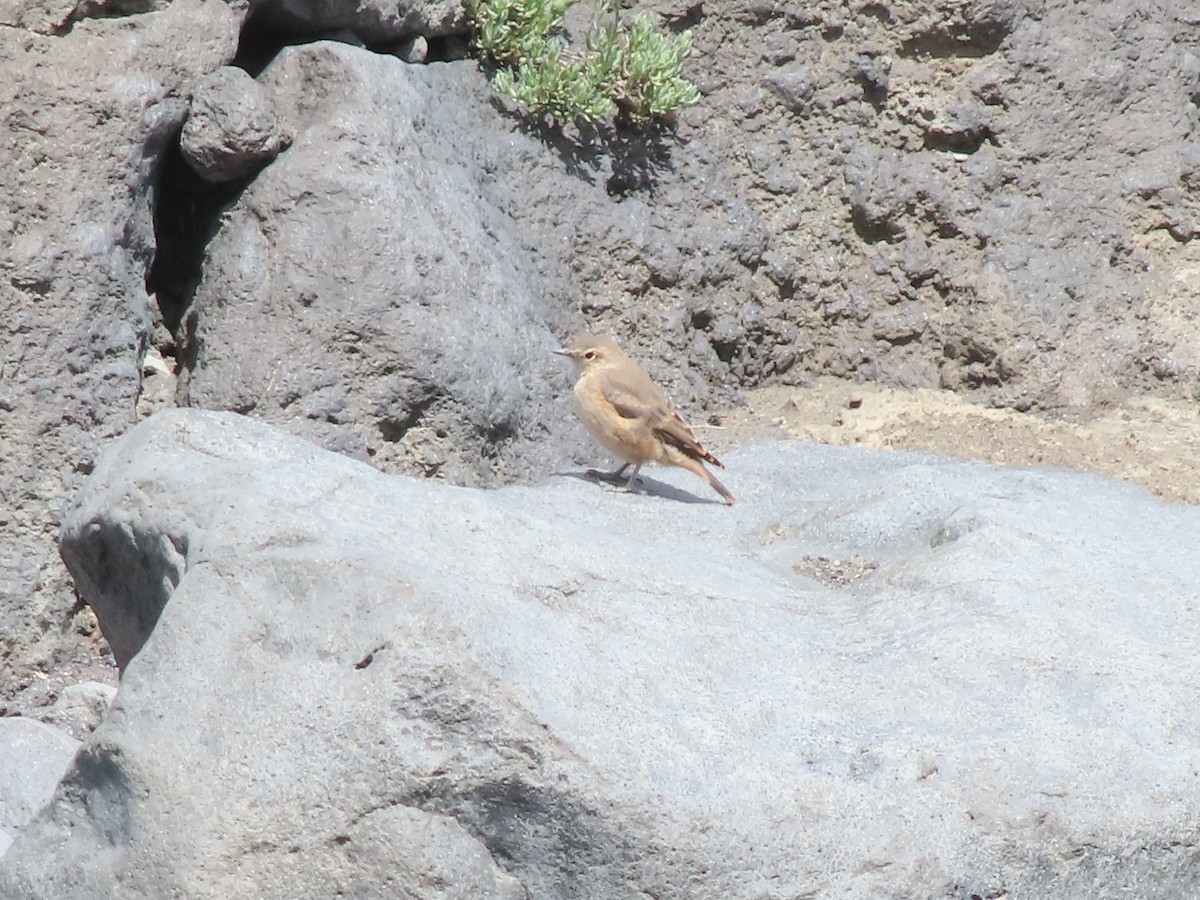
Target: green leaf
637,67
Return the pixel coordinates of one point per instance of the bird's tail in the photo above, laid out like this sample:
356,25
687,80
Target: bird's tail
709,458
717,486
694,466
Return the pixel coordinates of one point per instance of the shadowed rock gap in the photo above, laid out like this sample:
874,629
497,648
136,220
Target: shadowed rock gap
187,211
258,44
187,208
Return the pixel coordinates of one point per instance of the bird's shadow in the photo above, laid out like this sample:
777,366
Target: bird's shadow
642,485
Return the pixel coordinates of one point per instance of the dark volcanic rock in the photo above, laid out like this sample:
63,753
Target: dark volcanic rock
1034,147
371,289
375,22
231,129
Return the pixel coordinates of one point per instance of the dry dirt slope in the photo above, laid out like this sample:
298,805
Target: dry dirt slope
1149,441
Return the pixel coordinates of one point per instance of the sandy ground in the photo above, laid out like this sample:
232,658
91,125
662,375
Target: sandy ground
1151,442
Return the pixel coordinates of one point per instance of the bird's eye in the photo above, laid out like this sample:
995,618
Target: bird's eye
591,354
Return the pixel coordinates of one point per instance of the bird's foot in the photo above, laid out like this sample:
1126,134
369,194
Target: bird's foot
616,477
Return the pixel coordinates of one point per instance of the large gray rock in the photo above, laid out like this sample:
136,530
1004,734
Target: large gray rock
371,291
87,113
878,675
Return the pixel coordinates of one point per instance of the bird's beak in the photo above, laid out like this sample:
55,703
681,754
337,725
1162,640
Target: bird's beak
566,353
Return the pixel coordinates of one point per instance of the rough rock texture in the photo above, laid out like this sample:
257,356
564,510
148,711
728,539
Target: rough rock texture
34,758
231,130
997,197
60,16
879,675
87,114
463,251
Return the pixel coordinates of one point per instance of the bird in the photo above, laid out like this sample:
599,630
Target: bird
629,415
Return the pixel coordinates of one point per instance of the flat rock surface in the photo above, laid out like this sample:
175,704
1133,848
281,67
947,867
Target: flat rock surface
880,674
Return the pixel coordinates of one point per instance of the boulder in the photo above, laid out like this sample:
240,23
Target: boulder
231,130
879,674
370,289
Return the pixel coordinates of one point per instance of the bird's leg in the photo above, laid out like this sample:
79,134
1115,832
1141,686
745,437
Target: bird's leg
611,477
632,475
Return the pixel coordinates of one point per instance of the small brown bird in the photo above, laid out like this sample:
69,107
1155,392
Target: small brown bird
630,415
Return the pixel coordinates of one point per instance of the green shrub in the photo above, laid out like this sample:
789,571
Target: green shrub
635,69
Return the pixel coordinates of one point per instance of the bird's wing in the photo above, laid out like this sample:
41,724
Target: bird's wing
675,431
634,396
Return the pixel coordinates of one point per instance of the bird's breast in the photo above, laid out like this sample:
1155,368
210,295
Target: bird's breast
632,440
